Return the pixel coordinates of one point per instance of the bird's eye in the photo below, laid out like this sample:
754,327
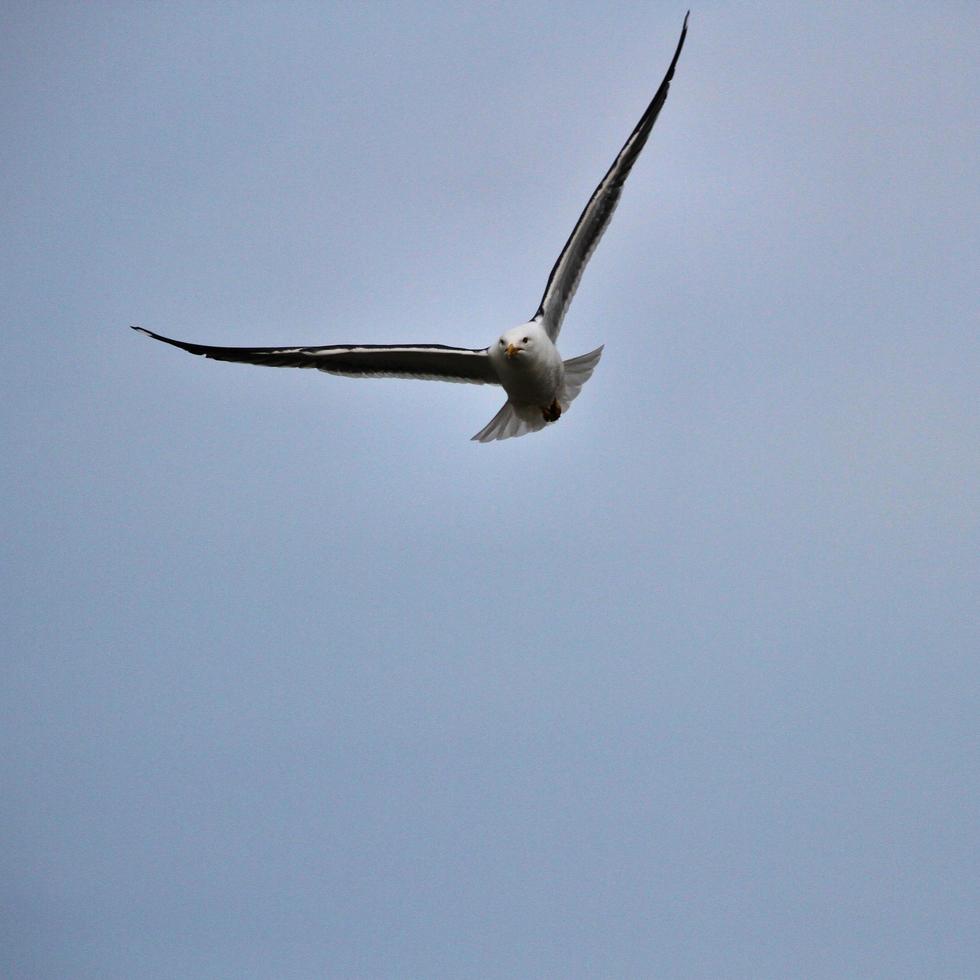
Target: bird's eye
501,342
524,341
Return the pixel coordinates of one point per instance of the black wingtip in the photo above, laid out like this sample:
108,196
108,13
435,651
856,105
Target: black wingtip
680,45
162,339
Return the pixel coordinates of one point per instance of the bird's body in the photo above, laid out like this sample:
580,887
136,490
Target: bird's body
524,361
528,365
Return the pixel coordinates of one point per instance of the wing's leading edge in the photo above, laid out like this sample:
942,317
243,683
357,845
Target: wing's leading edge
424,361
567,271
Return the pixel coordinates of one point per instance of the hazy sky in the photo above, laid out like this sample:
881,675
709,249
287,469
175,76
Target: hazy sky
299,682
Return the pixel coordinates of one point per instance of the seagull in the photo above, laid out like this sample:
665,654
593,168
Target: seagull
524,361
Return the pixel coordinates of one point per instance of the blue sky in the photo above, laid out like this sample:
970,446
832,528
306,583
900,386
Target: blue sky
299,682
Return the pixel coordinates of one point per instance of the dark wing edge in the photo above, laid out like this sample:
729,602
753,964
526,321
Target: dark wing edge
568,269
434,362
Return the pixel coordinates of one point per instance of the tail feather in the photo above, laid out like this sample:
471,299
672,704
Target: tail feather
578,370
511,420
517,420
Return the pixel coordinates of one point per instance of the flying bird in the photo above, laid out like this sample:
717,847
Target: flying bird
524,361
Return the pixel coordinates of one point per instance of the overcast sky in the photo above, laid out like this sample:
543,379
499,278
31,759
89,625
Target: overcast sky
299,682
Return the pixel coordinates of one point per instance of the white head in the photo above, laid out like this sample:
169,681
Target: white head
522,341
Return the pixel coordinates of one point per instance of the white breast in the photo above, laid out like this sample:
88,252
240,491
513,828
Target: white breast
534,376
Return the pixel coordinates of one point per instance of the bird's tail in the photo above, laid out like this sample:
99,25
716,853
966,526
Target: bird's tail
578,370
512,420
518,420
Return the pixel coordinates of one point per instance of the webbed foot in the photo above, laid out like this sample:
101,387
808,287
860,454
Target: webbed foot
553,412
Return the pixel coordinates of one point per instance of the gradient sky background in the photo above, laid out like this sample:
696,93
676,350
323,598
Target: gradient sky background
299,682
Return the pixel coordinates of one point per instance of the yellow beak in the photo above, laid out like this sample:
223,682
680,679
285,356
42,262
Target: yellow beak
513,349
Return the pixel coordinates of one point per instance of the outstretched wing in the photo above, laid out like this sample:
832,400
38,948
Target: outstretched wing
567,272
428,361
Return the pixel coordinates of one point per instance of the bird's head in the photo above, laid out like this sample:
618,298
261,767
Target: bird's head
517,342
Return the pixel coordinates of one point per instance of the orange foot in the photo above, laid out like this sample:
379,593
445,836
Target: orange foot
553,412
